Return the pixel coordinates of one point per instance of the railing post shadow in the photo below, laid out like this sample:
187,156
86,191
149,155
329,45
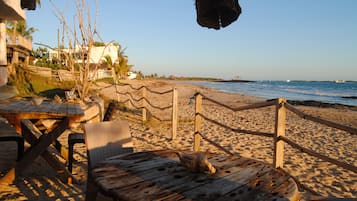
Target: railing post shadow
174,112
144,112
280,124
198,120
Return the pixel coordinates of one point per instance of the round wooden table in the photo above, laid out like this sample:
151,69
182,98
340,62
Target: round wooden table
158,175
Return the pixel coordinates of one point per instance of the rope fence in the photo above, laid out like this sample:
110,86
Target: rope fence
145,105
281,107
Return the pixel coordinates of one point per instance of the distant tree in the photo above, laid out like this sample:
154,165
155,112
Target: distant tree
108,61
40,52
122,67
98,44
139,75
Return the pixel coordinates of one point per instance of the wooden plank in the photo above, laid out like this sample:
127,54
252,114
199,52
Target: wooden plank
267,184
223,185
33,152
41,146
251,190
178,182
159,176
168,179
109,179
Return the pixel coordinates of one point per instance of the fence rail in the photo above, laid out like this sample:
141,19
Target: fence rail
145,104
348,129
278,136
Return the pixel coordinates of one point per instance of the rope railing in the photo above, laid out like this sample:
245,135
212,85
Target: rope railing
303,115
133,104
215,144
149,90
237,130
252,106
158,92
146,104
132,87
133,98
156,107
279,135
318,155
142,98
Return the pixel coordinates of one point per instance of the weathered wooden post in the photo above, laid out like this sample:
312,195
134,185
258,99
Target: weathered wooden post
174,113
198,119
3,58
144,104
280,121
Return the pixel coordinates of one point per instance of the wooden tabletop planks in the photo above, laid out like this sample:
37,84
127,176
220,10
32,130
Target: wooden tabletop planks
159,175
46,108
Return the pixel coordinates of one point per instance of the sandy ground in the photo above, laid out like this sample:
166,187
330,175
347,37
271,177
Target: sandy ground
40,182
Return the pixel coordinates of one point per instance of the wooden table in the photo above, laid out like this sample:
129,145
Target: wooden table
19,114
158,175
25,109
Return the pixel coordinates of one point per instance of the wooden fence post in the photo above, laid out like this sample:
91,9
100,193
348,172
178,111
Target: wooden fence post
198,119
280,121
144,104
174,113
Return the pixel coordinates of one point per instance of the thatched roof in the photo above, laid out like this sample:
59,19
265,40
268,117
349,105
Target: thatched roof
217,13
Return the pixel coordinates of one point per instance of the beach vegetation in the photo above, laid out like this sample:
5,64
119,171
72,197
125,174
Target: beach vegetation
98,44
119,67
29,84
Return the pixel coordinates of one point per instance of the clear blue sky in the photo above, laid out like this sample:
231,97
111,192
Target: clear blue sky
271,40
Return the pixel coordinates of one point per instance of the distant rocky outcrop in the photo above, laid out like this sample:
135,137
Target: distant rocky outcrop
321,104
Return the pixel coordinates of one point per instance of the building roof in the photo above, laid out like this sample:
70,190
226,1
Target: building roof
11,10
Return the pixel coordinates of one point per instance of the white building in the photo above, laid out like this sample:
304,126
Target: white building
96,56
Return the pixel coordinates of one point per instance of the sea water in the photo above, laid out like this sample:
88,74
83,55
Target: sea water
323,91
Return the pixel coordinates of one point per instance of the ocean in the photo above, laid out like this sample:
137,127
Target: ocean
323,91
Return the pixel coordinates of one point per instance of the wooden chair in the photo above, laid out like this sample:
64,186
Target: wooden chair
78,138
20,143
8,133
104,140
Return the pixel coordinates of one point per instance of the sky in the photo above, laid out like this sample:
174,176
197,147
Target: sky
271,40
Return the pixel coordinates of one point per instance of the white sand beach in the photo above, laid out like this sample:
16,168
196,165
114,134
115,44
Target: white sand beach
39,182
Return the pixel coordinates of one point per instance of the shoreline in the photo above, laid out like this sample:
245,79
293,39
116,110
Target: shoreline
304,102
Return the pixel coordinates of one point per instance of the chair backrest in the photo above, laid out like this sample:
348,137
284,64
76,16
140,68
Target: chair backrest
107,139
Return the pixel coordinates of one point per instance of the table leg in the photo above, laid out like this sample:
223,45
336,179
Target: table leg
39,147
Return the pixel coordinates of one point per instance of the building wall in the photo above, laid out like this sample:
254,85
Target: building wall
97,53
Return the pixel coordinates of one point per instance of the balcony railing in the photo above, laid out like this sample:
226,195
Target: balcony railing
20,41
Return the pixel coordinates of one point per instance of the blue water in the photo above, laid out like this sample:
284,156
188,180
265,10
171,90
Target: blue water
329,92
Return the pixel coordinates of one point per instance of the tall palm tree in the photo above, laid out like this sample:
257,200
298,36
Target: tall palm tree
20,28
108,61
122,67
15,29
